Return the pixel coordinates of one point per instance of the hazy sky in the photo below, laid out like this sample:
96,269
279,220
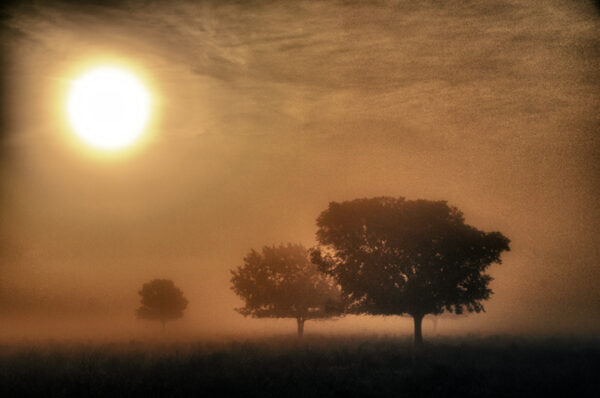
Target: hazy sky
268,110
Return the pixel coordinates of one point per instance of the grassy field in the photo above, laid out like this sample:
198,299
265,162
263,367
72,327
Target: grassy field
320,366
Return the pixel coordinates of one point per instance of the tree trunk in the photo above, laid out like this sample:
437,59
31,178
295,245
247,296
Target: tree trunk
418,333
300,326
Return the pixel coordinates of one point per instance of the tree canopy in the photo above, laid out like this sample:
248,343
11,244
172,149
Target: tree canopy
161,301
281,282
393,256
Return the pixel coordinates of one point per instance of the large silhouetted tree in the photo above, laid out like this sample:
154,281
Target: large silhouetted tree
281,282
161,301
393,256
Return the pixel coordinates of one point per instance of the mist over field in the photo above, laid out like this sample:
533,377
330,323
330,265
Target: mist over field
266,111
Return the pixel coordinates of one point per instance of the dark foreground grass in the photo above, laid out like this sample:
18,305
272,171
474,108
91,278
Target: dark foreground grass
316,366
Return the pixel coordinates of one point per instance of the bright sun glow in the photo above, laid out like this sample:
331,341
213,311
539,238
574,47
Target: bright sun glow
108,108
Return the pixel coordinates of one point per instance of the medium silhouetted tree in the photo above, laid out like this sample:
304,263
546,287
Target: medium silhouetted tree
161,301
281,282
393,256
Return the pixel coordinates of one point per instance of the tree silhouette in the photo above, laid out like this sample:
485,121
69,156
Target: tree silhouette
161,301
281,282
392,256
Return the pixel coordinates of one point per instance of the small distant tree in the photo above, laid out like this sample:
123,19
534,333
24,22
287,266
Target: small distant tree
393,256
161,301
281,282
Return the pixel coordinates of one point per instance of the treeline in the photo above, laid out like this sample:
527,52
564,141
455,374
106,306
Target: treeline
377,256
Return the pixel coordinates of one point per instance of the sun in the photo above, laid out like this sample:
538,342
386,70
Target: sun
108,108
